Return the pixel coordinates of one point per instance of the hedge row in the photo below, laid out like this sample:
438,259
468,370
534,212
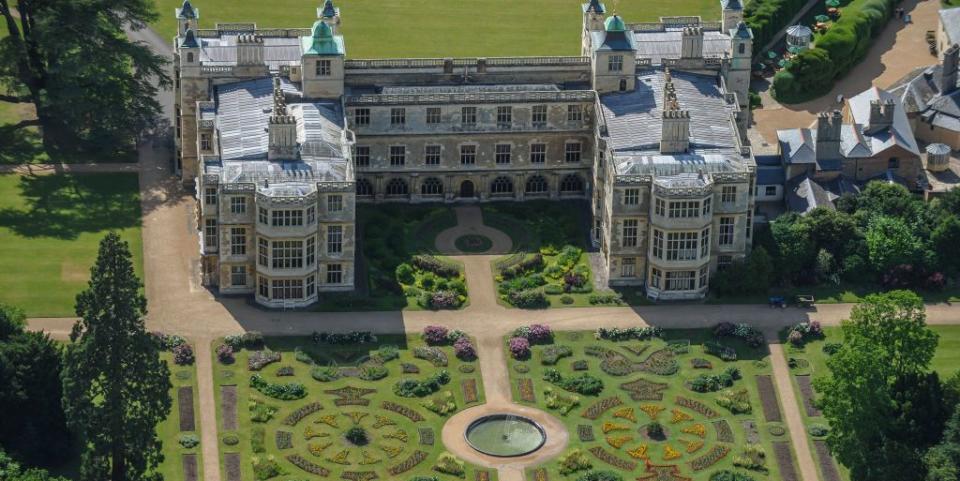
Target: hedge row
813,72
767,17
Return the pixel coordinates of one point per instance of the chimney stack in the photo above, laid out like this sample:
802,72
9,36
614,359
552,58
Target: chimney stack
675,131
951,61
881,116
691,42
829,126
282,128
249,49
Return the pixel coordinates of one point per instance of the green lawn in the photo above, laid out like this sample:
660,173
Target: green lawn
319,436
169,429
813,362
631,416
50,229
430,28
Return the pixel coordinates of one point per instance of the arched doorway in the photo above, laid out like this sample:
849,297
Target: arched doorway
466,189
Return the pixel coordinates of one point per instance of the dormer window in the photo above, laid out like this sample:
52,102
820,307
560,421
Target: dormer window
324,68
615,63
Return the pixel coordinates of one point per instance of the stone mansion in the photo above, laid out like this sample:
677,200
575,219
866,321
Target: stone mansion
282,135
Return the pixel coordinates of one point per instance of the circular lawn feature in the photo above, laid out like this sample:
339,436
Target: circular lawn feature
505,435
473,243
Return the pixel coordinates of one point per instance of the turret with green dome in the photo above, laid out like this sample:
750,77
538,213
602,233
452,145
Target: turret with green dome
615,24
322,41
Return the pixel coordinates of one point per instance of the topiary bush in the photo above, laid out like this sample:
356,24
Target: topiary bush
189,441
655,431
357,436
528,299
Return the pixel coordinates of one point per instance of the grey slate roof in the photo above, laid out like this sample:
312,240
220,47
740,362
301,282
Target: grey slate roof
633,122
900,134
454,89
613,41
660,45
920,94
243,110
276,51
950,19
731,5
804,194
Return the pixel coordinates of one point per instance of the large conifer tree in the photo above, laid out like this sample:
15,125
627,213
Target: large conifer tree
116,388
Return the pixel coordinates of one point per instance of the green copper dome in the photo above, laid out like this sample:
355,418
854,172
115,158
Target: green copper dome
615,24
321,30
322,41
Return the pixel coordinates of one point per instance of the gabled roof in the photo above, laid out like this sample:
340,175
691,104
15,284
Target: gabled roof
804,194
742,31
900,134
798,146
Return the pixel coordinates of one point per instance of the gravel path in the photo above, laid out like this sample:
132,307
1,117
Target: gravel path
791,409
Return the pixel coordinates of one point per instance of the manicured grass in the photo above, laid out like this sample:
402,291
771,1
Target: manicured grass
169,429
751,362
50,230
342,356
428,28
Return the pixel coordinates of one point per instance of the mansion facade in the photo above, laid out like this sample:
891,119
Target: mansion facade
282,136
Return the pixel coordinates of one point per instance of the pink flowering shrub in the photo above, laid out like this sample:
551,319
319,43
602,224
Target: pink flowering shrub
464,350
435,335
519,348
183,355
225,354
540,334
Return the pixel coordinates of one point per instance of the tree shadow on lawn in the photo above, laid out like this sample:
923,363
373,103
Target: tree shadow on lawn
65,206
20,145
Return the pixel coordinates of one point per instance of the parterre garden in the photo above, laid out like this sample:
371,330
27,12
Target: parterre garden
350,406
180,432
654,404
401,269
549,267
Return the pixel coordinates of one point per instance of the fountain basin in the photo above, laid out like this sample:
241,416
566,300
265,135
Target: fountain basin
505,435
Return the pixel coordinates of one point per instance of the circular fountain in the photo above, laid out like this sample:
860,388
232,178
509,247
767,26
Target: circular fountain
505,435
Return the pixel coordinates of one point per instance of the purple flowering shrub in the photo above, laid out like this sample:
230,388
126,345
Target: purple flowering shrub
435,335
519,348
225,354
183,355
540,334
464,350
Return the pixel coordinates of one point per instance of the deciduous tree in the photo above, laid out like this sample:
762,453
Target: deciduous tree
115,385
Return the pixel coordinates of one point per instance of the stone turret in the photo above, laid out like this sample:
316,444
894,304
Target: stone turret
613,57
738,66
881,116
675,132
187,16
282,128
829,127
593,13
731,14
691,42
322,62
951,62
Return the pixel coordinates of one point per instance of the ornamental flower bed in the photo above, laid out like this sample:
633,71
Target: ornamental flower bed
607,457
306,465
598,408
714,455
402,410
411,462
260,359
